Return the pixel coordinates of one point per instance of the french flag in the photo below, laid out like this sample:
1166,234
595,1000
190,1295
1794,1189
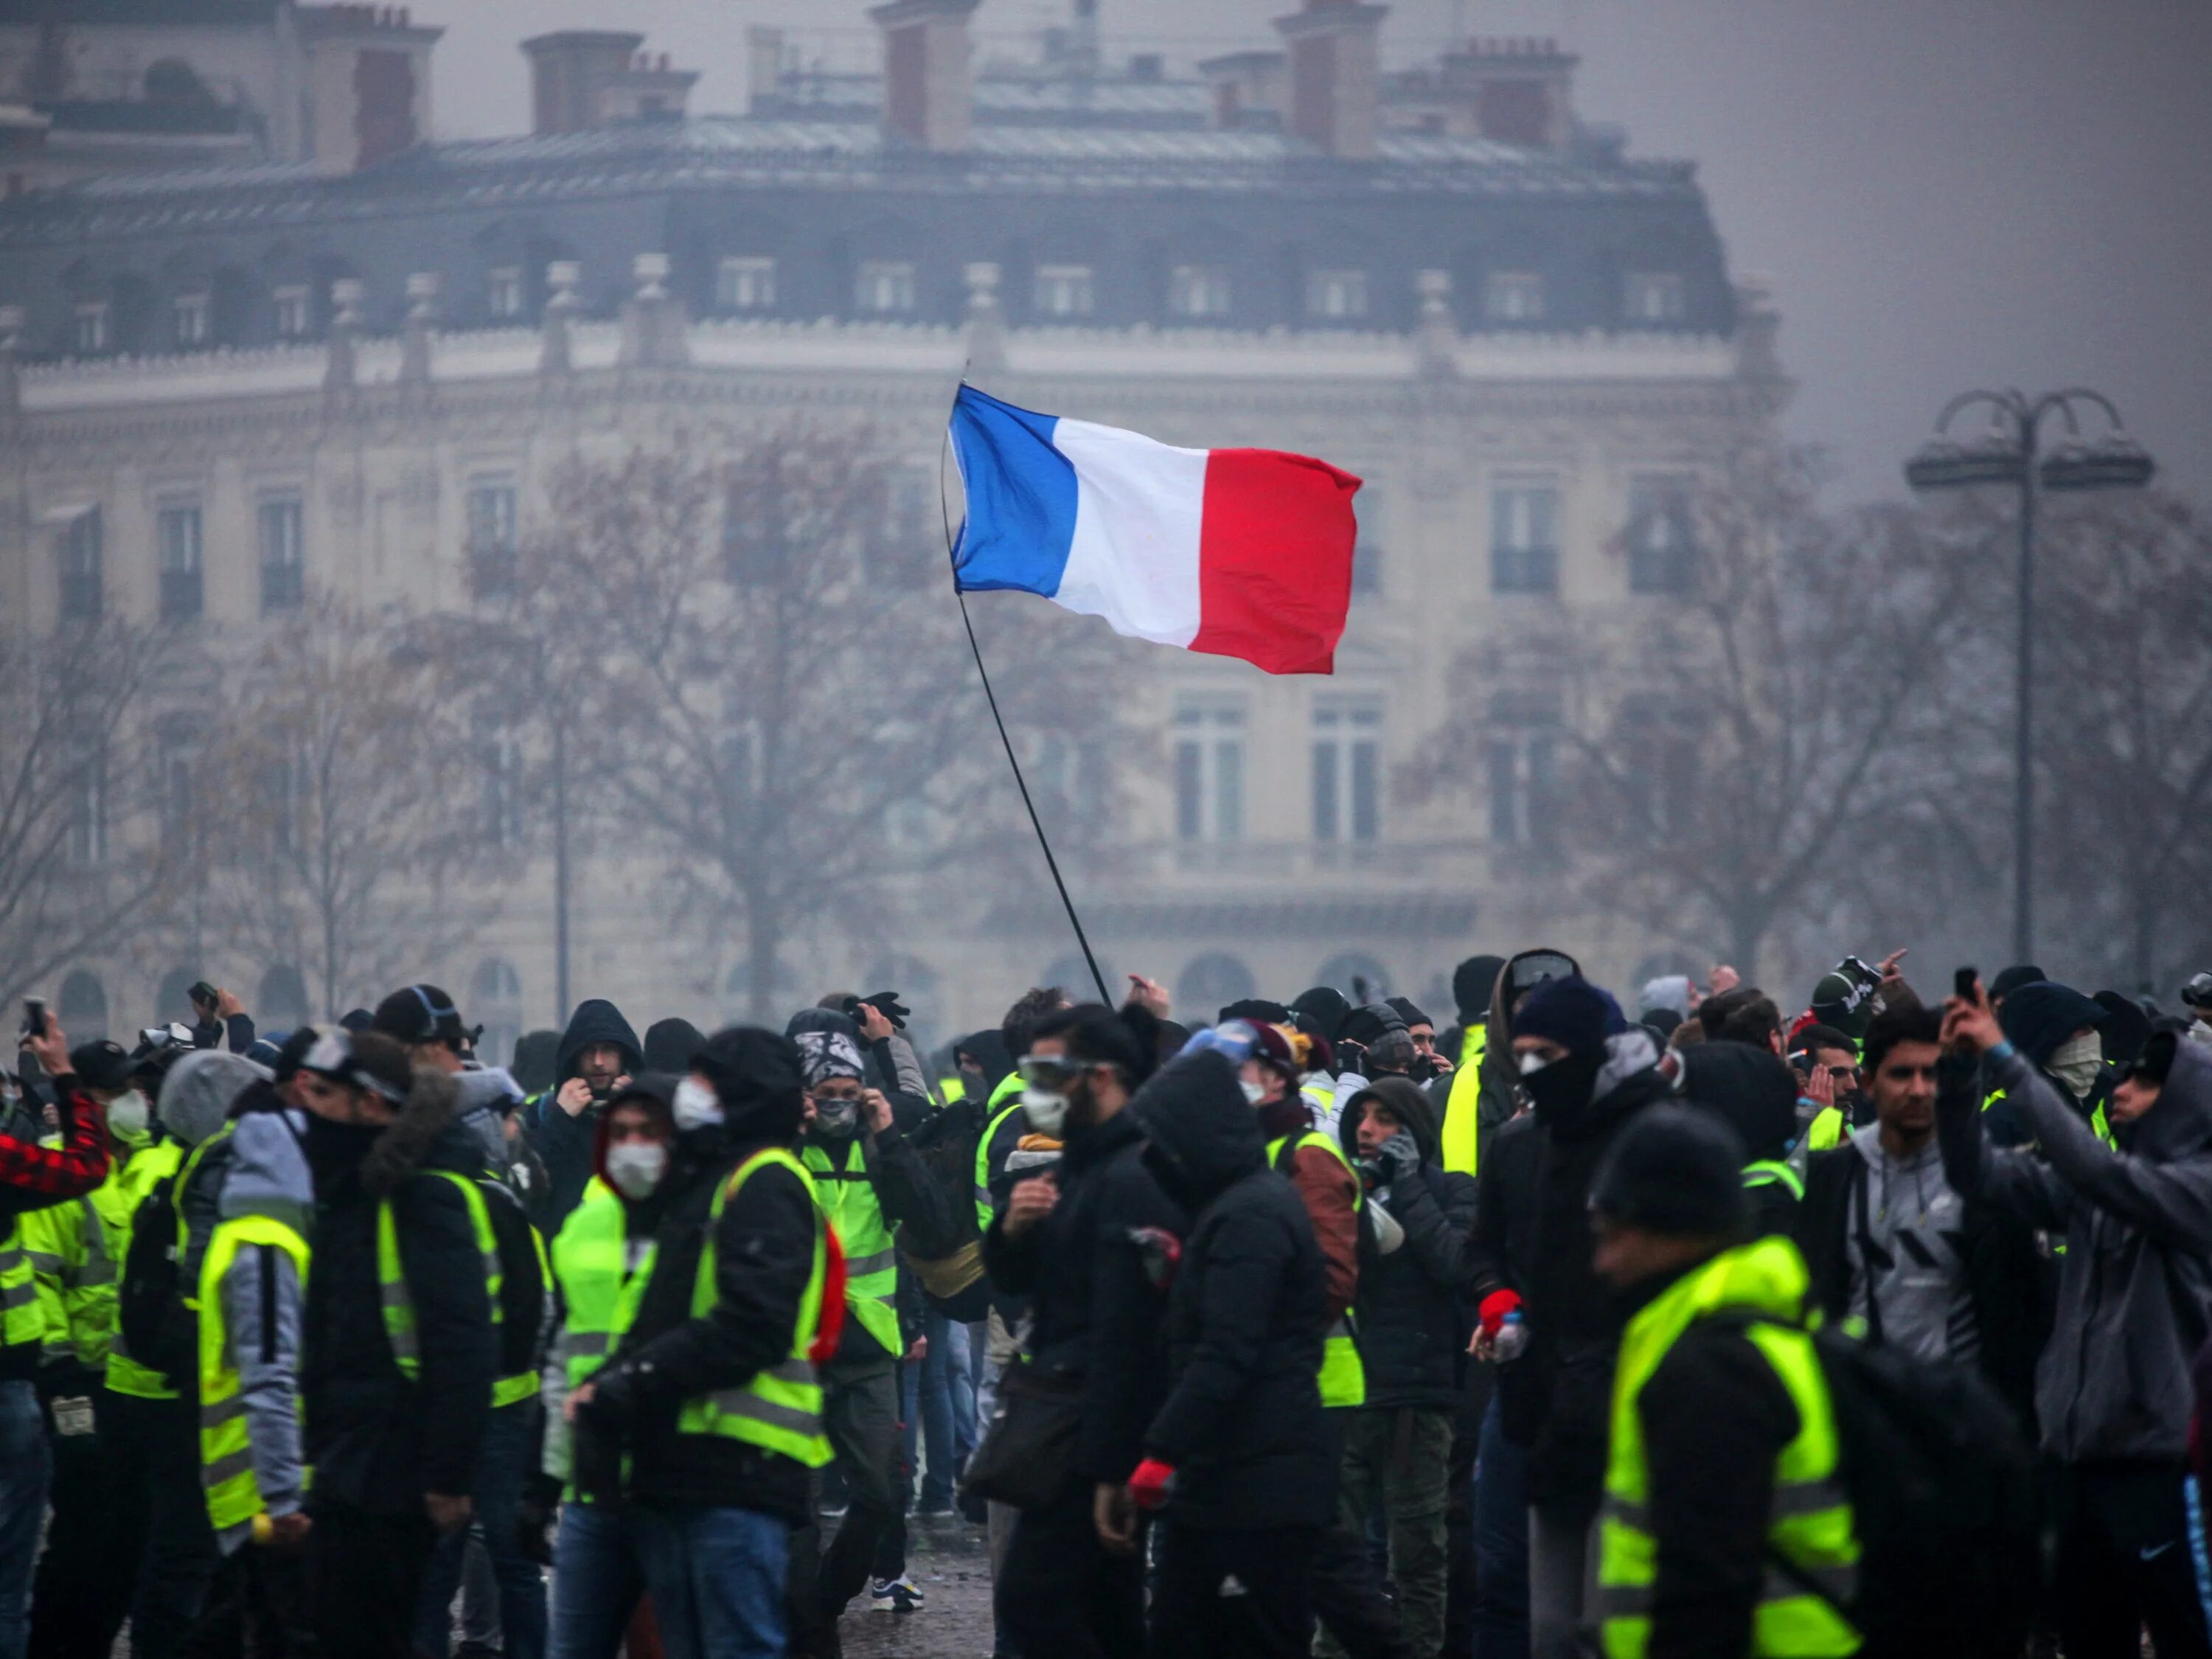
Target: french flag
1239,552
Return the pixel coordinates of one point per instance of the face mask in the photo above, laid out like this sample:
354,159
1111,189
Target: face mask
1047,1110
1532,1063
695,1106
1564,1087
1254,1093
838,1119
128,1115
635,1167
2077,1062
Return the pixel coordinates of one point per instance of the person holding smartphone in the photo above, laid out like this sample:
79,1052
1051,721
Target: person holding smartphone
222,1021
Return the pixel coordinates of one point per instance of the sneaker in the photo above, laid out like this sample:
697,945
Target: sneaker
899,1595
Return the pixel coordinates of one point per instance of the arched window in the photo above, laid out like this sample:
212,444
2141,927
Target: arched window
495,1003
84,1008
173,1002
1072,975
1209,984
1359,975
282,1004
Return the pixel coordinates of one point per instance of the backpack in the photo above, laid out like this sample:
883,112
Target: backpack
954,1283
1943,1491
149,1305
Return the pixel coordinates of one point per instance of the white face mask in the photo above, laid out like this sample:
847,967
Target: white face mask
1253,1092
2077,1062
128,1115
1532,1063
635,1167
695,1106
1048,1111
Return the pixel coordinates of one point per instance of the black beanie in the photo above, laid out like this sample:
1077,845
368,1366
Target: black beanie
2013,978
670,1044
1676,1171
102,1065
1473,983
1324,1007
418,1013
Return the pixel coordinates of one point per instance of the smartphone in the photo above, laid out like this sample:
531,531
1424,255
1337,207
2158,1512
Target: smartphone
1966,982
204,994
34,1017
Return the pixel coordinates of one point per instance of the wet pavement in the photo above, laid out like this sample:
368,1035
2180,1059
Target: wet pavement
948,1564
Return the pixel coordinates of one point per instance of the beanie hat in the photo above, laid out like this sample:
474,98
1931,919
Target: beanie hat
2126,1027
1473,983
1324,1008
1571,1012
1670,993
670,1044
102,1065
2039,1016
1258,1010
200,1091
357,1020
2013,978
1407,1012
1272,1047
418,1013
1676,1171
1369,1023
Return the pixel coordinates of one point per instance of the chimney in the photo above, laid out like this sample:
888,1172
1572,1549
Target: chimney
929,90
368,83
763,67
1523,88
1335,64
1249,88
570,73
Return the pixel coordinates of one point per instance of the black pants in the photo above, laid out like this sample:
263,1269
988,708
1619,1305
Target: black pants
80,1598
1060,1594
364,1579
179,1557
2124,1563
860,1419
1233,1595
1346,1591
257,1607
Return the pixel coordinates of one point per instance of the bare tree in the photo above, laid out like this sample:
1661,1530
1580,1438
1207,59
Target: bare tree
781,692
1727,750
343,832
79,868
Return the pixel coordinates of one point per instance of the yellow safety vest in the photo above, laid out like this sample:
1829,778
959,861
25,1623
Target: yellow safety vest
780,1409
167,1162
398,1304
1809,1522
76,1264
995,1117
1766,1172
951,1089
226,1474
21,1322
591,1261
1825,1131
1461,1148
1343,1374
847,1198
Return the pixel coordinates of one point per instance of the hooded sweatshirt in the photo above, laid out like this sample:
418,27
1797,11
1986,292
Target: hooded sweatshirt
2136,1278
563,1143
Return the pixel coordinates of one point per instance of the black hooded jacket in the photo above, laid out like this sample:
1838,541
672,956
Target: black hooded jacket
1243,1422
377,1441
563,1142
1411,1306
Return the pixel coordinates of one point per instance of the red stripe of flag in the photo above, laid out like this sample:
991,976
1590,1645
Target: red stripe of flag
1274,560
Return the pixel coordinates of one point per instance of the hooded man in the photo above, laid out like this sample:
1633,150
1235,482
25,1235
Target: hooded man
2056,1030
1238,1453
669,1046
710,1393
873,1187
1587,1073
1481,1095
1756,1095
597,1052
2196,997
2114,1392
400,1347
1397,1451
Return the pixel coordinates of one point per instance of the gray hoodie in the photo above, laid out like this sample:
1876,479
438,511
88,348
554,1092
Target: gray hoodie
267,1175
2136,1283
1916,1233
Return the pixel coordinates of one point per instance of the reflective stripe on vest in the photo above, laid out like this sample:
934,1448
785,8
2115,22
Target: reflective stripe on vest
1009,1085
524,1385
780,1409
146,1171
392,1279
1343,1374
847,1198
1460,1145
1765,1172
227,1476
590,1255
1809,1523
21,1324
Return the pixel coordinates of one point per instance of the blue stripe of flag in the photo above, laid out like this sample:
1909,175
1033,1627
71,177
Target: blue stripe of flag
1021,498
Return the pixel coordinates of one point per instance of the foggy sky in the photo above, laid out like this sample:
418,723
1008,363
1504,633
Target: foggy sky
1946,193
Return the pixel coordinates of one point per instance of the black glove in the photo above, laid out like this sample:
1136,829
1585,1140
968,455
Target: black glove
885,1002
1398,1158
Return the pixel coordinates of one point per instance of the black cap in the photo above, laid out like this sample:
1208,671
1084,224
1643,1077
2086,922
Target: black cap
2013,978
1676,1171
357,1020
102,1065
418,1013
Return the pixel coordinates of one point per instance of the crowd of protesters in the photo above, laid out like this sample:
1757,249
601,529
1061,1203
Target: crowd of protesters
1876,1327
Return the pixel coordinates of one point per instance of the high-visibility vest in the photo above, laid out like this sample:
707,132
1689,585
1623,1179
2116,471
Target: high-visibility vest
1767,1172
2099,1120
1826,1129
995,1113
1809,1522
591,1261
1461,1147
1343,1374
847,1198
779,1409
21,1324
523,1384
952,1089
227,1475
76,1251
168,1161
398,1304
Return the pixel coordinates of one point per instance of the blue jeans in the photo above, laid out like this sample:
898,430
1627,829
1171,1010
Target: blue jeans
941,1410
26,1470
502,1468
717,1581
597,1580
1501,1544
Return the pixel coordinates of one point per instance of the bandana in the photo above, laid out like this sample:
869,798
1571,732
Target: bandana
825,1055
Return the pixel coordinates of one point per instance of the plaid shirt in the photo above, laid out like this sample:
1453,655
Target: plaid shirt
33,1177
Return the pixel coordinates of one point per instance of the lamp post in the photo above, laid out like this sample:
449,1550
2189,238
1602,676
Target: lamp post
2008,455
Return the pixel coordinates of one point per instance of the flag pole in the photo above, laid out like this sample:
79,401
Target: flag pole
952,559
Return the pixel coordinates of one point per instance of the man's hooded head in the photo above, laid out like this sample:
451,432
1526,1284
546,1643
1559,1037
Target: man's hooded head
1676,1171
536,1061
670,1044
2011,978
1473,983
756,1080
599,1046
826,1054
2039,1017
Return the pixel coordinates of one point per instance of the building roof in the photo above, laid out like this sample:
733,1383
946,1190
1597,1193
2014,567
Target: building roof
137,11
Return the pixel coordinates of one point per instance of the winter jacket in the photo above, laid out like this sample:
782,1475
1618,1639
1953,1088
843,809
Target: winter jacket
1243,1422
34,1177
1329,1191
1411,1308
1097,1313
2114,1379
763,1258
1535,1237
563,1144
378,1441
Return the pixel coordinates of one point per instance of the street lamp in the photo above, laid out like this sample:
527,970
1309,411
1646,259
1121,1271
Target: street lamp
2007,454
